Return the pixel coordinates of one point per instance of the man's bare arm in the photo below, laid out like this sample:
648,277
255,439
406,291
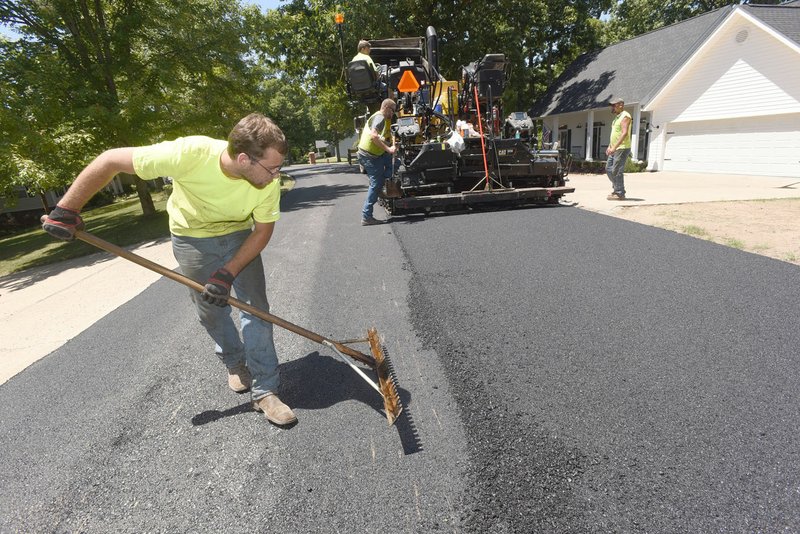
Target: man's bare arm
96,175
252,247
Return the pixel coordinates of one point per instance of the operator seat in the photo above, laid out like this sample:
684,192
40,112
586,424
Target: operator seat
362,84
488,74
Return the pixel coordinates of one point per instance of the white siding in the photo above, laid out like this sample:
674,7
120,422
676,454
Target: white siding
734,108
768,146
758,76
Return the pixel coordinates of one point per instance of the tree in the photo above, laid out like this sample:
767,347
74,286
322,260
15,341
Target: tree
120,73
332,115
539,37
289,105
300,46
630,18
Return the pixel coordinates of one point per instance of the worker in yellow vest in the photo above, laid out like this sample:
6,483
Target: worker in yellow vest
619,148
363,54
375,149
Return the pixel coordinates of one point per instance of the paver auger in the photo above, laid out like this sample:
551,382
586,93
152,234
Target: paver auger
378,360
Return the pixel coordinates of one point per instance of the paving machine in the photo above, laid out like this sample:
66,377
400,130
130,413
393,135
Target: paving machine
456,148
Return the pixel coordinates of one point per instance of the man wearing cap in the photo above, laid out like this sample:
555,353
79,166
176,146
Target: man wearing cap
364,49
619,148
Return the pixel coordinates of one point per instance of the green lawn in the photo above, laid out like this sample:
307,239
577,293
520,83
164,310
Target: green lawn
121,223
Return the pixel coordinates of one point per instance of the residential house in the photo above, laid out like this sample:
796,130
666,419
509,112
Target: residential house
716,93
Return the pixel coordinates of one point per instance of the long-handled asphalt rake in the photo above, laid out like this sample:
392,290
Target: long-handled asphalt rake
378,361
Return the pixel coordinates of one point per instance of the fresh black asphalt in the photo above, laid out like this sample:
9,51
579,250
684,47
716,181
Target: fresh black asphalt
612,377
562,371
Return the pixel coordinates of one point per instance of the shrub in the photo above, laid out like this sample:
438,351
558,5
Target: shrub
101,198
580,166
634,165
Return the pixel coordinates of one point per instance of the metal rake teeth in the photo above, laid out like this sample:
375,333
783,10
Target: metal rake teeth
386,379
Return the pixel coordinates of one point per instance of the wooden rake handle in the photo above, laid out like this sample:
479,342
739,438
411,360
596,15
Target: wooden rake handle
192,284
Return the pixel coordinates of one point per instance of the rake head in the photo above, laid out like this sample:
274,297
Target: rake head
386,379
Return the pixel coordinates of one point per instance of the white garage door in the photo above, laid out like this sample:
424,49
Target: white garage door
768,146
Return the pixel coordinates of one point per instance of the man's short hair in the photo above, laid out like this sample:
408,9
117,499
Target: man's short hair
254,134
362,44
389,103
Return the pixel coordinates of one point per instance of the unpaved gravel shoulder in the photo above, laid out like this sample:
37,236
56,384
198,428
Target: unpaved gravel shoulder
767,227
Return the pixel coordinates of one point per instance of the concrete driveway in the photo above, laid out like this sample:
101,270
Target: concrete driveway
651,188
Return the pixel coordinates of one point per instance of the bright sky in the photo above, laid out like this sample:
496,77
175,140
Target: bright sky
264,4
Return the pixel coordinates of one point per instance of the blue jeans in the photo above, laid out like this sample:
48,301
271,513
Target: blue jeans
378,170
198,257
615,169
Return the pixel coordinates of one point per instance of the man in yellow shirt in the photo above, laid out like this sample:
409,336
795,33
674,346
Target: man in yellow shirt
619,148
363,51
375,149
222,213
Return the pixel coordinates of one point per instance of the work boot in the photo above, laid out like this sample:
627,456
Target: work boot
274,410
615,196
369,221
239,378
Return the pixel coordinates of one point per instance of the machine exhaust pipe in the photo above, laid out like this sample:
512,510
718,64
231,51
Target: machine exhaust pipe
432,43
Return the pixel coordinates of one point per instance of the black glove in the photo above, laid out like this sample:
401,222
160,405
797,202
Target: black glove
218,287
62,223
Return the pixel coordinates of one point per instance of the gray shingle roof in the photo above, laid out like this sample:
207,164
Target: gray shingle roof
784,19
636,69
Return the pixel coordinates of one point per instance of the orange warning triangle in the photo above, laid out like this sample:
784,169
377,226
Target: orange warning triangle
408,83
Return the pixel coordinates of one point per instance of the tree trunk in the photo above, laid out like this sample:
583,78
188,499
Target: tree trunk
148,207
43,198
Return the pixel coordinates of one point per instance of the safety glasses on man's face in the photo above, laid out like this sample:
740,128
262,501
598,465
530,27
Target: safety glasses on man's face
272,172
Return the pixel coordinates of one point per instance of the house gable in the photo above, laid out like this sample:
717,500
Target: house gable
743,69
716,93
632,69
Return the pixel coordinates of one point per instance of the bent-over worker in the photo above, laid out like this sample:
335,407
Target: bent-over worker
222,213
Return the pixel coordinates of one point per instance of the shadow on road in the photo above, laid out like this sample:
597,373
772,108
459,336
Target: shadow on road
317,382
323,168
209,416
319,195
416,218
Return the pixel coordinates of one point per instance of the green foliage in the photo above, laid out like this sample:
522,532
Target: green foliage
538,37
632,165
581,166
331,113
87,76
288,104
121,223
630,18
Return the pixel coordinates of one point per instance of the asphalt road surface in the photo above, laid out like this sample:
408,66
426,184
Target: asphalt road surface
562,371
